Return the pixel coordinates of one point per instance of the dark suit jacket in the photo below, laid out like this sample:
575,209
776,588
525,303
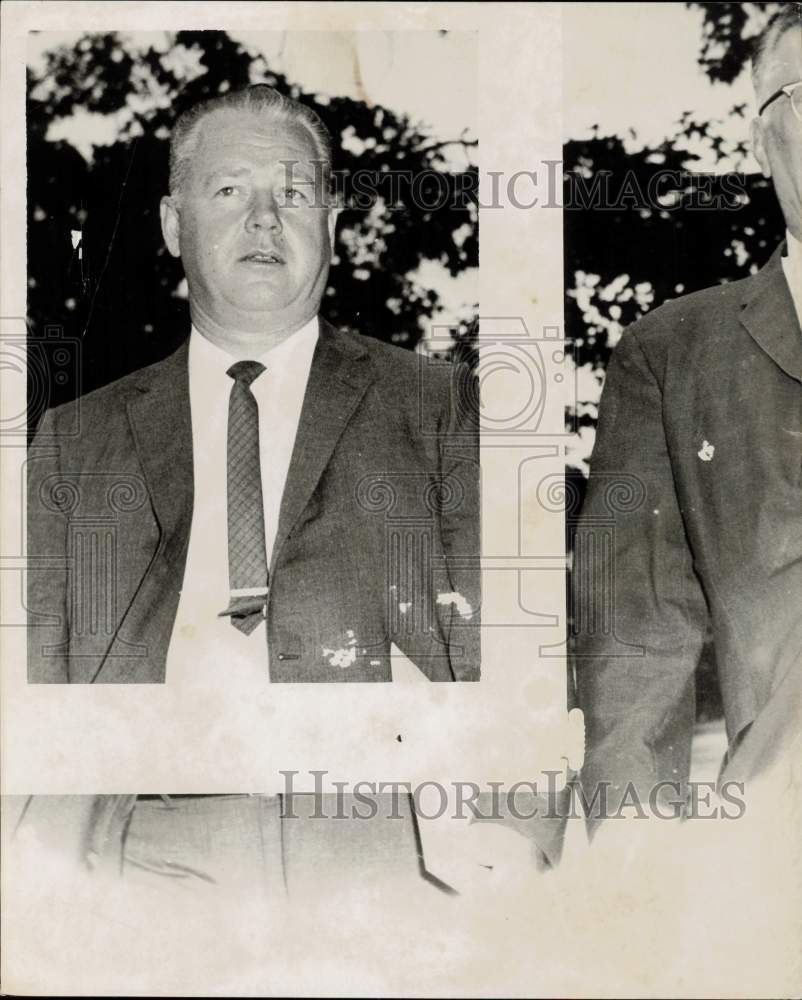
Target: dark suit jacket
380,515
691,528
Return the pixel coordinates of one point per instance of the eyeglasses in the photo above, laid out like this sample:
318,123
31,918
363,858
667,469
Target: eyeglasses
793,91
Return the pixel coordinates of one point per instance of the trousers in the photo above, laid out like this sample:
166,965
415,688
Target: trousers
270,846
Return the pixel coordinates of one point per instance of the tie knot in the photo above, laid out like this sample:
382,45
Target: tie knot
245,371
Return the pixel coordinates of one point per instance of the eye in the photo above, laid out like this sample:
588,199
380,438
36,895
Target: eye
293,195
226,191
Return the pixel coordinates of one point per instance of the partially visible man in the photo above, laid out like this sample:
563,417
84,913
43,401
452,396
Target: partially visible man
701,421
278,501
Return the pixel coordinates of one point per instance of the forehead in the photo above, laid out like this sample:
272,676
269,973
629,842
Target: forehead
782,63
252,137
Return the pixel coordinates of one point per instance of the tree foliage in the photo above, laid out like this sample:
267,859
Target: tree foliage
727,33
644,225
97,267
651,230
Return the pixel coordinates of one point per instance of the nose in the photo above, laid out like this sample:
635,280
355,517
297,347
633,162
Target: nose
263,213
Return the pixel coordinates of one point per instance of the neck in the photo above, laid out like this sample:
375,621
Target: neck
244,344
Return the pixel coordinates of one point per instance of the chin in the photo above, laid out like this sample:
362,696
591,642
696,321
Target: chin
261,300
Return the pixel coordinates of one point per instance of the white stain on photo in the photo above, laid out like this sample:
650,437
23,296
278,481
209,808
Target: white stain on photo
706,452
464,609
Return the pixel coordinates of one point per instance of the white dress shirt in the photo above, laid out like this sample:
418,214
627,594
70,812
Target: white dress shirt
204,648
792,266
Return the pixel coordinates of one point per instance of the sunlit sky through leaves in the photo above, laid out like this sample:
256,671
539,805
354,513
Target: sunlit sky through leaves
431,76
634,66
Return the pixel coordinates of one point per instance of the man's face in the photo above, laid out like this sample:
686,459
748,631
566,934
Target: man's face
777,133
250,224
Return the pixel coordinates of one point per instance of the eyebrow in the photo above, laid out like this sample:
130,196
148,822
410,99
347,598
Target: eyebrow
225,172
297,171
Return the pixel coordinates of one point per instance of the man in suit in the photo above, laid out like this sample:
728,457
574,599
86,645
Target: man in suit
278,501
698,458
357,523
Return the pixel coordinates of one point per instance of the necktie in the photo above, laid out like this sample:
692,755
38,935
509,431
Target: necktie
247,556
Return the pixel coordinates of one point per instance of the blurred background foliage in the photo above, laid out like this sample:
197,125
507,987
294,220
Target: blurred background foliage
96,263
622,260
627,252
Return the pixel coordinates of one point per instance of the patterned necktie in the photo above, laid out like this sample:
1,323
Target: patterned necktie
247,555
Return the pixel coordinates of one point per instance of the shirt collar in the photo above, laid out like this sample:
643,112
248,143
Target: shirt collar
792,268
794,255
207,361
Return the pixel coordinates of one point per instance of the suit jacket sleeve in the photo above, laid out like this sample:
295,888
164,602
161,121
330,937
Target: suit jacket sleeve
640,616
48,499
460,522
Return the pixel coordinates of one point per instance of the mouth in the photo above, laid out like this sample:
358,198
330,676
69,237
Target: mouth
263,257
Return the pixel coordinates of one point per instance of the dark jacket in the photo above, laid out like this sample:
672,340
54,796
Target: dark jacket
380,513
691,528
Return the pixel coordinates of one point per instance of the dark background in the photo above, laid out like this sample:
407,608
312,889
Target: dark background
116,292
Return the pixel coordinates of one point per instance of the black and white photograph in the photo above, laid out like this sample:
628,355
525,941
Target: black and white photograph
683,299
402,502
684,293
189,545
253,425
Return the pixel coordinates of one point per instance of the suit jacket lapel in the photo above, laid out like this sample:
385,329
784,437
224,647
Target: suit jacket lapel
162,427
159,417
339,377
160,420
770,316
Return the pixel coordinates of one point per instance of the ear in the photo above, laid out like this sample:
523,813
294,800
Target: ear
334,211
757,134
171,227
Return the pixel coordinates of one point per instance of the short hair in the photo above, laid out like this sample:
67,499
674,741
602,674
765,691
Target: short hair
259,99
790,16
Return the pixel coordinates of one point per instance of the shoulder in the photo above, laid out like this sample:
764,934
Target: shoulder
406,371
693,314
102,403
685,330
389,358
431,390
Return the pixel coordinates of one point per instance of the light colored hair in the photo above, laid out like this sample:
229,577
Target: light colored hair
784,20
259,99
